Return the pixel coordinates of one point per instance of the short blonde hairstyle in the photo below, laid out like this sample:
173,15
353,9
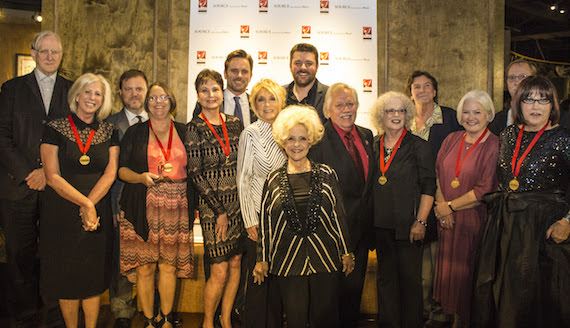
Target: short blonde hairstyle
378,110
482,98
270,86
331,91
81,83
293,115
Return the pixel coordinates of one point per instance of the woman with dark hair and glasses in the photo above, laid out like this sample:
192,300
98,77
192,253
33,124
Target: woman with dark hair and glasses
403,195
523,273
155,228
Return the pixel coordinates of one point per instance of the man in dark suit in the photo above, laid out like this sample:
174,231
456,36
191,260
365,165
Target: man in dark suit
347,148
305,88
27,103
133,86
237,72
516,71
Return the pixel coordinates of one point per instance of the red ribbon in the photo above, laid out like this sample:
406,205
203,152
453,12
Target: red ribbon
82,149
384,167
225,147
167,152
517,169
459,166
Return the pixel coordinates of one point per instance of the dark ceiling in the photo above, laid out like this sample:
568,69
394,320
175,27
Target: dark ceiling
536,31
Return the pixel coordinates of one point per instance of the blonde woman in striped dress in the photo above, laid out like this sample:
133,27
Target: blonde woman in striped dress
258,155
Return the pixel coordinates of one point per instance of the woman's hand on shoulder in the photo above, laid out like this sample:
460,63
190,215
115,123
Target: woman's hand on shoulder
148,178
559,231
260,272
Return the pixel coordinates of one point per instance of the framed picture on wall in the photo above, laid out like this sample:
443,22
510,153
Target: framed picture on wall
25,64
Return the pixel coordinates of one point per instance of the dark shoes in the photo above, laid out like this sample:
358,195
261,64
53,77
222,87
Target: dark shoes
122,323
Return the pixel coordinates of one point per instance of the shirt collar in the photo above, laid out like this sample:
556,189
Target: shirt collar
435,118
82,125
343,133
132,116
40,76
228,94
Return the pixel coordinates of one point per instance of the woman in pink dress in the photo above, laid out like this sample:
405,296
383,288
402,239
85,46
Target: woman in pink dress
465,168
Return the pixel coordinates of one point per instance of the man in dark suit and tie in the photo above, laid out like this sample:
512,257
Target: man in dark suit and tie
27,103
347,148
133,86
305,88
237,72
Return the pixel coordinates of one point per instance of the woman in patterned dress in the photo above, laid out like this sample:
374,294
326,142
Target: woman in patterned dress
212,143
80,156
258,156
155,228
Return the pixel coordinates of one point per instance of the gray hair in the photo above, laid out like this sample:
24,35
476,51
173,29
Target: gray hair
36,43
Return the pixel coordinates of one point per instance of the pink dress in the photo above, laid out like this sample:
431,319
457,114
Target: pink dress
458,247
170,238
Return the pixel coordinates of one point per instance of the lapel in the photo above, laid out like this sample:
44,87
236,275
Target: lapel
369,150
339,149
34,88
123,122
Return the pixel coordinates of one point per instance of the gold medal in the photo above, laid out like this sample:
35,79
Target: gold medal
382,180
167,167
514,184
227,160
455,183
84,159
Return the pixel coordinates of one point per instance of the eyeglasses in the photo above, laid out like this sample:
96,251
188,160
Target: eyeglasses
45,52
156,98
542,101
394,111
512,78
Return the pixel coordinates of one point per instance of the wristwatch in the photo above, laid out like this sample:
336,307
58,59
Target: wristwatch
451,208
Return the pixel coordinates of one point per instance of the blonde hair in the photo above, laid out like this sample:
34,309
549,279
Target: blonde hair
293,115
378,110
271,87
331,91
482,98
83,81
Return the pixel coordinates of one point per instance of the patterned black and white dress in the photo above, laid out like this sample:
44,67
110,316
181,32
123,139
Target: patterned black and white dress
76,263
215,182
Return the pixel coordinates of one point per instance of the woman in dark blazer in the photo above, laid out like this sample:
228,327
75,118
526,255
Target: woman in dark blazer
403,195
155,227
303,238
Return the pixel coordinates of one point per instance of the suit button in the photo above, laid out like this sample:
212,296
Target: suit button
44,122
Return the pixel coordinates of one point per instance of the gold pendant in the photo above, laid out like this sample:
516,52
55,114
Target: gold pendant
167,167
514,184
227,160
455,183
382,180
84,159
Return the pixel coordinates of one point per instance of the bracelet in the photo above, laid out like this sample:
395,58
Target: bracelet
422,222
351,255
451,208
567,217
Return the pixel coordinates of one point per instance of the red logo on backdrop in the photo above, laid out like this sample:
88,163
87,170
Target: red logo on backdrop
244,31
262,57
367,85
263,4
324,6
306,32
324,58
367,32
201,57
202,5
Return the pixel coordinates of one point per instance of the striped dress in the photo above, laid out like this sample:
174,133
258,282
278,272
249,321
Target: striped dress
258,155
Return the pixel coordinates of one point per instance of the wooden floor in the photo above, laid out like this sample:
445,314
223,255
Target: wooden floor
191,320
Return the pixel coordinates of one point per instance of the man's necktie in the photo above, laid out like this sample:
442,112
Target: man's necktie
237,111
355,154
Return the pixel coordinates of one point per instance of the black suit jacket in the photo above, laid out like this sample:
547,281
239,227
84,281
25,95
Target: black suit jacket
439,132
22,122
198,110
317,102
499,122
357,202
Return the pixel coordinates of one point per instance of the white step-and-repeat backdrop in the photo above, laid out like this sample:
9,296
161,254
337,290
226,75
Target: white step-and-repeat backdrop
343,31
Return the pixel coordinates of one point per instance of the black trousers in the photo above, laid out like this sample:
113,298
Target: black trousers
261,311
311,300
399,281
351,289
